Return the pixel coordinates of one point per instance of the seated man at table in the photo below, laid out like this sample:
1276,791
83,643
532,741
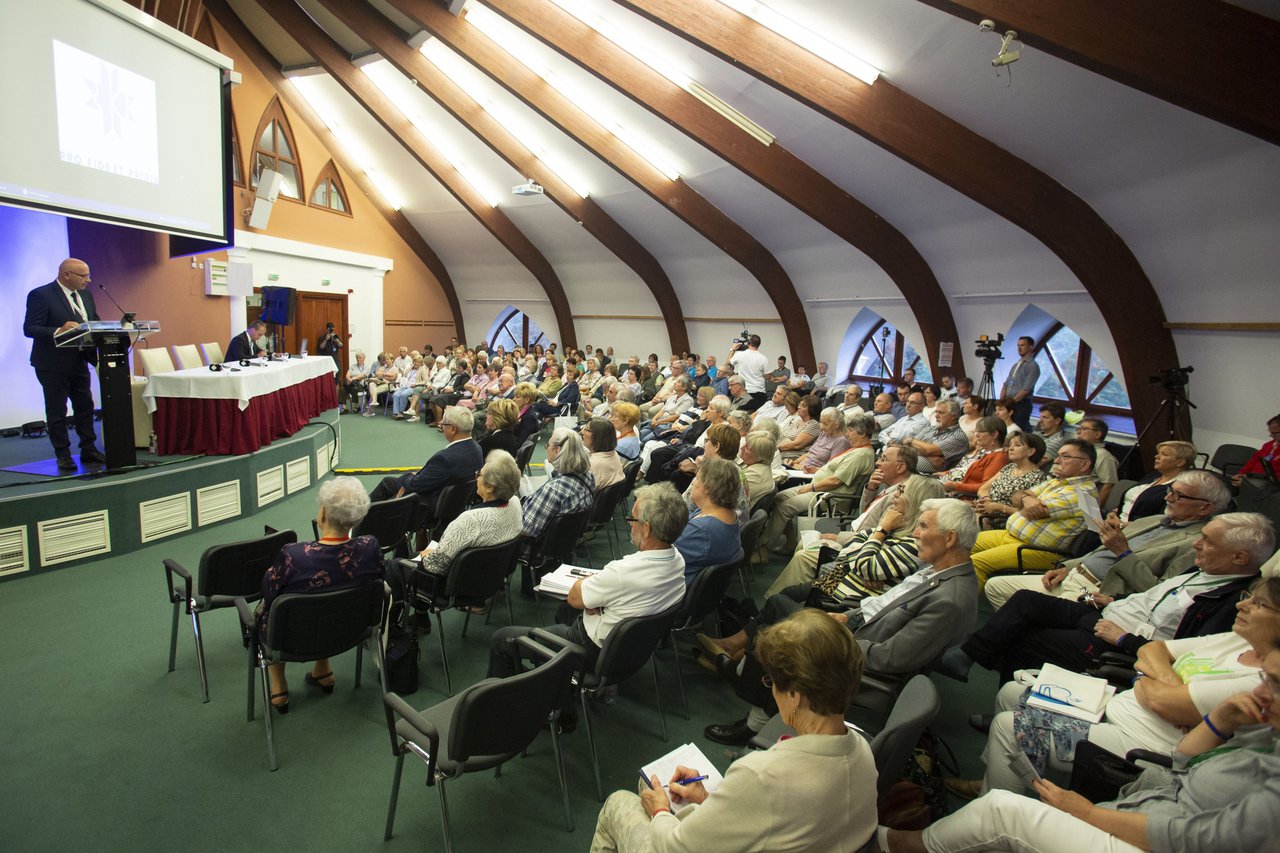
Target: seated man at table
245,344
640,584
459,460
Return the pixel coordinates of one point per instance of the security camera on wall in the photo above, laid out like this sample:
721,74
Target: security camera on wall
263,198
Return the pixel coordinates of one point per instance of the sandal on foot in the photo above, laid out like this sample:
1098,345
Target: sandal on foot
320,682
281,707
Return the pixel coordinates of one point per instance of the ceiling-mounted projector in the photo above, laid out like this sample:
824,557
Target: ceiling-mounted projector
528,188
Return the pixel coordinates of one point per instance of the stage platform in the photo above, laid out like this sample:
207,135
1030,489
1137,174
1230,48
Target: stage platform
50,522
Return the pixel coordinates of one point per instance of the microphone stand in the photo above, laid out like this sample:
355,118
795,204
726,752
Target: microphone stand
125,316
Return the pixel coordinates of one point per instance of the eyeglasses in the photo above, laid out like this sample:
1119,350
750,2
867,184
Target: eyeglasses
1173,496
1077,458
630,519
1272,683
1248,599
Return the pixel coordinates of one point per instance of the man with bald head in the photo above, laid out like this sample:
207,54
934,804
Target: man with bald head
53,309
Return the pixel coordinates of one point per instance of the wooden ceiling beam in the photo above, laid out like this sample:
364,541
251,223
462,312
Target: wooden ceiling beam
331,56
267,66
1212,58
676,196
773,166
385,38
968,163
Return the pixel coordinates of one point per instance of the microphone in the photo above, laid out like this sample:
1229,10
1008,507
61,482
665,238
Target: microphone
125,316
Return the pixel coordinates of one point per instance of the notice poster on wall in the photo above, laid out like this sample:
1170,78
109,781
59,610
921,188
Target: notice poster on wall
945,351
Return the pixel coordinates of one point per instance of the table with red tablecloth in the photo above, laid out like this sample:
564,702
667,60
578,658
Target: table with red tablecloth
238,409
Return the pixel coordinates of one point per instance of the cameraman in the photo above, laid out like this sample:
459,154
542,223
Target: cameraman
747,361
329,345
1021,382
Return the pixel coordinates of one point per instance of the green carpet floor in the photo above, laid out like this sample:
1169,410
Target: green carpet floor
103,749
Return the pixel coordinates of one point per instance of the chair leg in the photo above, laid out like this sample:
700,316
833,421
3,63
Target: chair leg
444,817
564,781
395,797
448,681
266,716
359,663
742,576
675,654
173,637
591,741
466,621
253,663
204,674
657,693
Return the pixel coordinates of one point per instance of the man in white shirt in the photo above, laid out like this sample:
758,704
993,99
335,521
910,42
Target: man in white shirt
851,404
750,364
821,379
910,426
403,362
640,584
775,408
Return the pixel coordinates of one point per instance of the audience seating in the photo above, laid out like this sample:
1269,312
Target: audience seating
700,601
1230,458
313,625
226,572
485,726
603,510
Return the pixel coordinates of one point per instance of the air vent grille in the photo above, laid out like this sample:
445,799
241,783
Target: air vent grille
297,474
13,551
217,503
270,485
73,537
165,516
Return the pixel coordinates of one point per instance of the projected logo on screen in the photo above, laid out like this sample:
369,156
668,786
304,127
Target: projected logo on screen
106,116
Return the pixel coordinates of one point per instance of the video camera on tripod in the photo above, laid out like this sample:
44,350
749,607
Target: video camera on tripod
989,350
1173,379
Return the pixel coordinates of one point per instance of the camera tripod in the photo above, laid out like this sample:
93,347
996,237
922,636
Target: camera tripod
986,389
1174,411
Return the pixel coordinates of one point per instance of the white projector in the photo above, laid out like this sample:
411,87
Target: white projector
528,188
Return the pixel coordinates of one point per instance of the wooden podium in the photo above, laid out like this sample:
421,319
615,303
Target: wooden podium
112,340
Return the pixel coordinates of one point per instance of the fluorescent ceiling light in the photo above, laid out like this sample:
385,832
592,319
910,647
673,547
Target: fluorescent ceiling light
399,91
354,147
806,38
524,50
469,80
666,66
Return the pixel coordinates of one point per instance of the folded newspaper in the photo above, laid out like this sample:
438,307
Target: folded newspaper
1061,691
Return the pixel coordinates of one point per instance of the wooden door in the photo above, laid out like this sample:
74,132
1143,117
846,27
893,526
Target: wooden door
312,312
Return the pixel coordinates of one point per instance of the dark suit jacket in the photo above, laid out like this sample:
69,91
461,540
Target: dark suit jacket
528,426
914,631
460,460
47,309
570,395
240,347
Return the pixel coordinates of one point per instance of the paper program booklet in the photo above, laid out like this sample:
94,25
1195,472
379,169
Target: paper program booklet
689,756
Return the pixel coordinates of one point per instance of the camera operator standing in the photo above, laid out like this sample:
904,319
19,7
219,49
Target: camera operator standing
746,360
329,345
1021,382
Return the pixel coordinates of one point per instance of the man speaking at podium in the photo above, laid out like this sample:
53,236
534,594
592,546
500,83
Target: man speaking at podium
52,309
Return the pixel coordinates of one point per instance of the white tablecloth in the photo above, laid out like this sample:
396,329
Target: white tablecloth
234,382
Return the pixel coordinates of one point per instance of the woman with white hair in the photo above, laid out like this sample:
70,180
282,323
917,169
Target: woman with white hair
410,387
570,488
831,441
334,561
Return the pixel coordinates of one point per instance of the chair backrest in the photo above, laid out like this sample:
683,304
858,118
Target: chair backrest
153,361
212,352
187,356
751,532
631,643
502,716
704,594
1230,458
914,709
235,569
630,473
1117,495
525,453
561,535
765,504
450,502
388,521
475,574
307,626
606,502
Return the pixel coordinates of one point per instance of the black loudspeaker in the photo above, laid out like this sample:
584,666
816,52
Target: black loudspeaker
278,304
33,429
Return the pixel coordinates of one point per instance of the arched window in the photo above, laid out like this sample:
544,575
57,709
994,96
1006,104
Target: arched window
329,192
1072,374
276,150
883,354
514,328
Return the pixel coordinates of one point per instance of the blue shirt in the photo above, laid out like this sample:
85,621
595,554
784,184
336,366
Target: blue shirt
706,542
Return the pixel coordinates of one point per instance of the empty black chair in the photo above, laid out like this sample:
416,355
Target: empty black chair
603,509
475,575
226,572
750,538
1230,458
485,726
308,626
525,453
630,644
700,600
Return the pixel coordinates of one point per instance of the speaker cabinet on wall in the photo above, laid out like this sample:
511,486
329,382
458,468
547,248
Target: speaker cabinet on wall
278,304
265,196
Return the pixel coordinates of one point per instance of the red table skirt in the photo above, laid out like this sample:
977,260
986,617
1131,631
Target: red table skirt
219,427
